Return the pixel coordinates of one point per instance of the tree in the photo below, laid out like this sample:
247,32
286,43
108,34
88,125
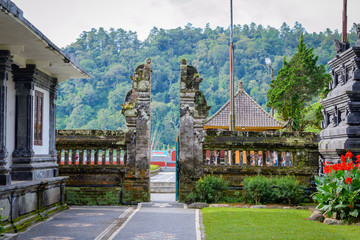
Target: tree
298,82
110,57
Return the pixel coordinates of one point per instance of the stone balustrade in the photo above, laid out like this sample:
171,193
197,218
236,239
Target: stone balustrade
260,148
95,162
90,147
236,154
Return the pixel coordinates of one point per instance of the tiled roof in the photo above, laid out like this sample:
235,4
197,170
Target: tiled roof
248,114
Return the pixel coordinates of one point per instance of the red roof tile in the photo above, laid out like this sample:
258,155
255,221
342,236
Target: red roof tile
248,113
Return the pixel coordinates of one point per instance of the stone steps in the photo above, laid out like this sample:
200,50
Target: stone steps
162,187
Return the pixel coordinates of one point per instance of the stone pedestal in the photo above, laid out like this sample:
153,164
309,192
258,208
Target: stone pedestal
341,124
5,69
193,111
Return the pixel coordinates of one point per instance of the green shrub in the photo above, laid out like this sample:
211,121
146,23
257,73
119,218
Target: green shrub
260,189
154,167
286,190
257,189
208,189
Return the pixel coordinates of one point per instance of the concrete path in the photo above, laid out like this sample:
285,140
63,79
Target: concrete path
77,223
147,221
163,197
161,221
163,177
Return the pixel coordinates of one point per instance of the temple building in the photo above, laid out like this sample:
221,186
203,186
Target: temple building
31,68
249,115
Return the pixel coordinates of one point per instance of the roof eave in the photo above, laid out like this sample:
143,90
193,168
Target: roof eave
17,15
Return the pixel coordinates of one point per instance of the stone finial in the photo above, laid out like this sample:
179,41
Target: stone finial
357,27
147,64
183,61
241,86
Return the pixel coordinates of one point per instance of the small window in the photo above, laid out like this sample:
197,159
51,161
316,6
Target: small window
38,118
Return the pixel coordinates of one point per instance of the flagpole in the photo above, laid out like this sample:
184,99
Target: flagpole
232,105
344,27
232,110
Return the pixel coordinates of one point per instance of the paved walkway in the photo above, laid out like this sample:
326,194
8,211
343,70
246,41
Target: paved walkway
147,221
163,177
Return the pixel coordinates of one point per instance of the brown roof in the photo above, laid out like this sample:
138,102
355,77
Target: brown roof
248,114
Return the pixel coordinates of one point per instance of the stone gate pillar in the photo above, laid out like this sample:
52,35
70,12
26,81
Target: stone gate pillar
137,112
341,124
193,111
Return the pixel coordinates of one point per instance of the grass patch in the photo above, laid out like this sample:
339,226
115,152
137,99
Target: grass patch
245,223
154,167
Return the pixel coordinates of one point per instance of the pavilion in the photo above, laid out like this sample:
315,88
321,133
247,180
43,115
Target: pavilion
249,115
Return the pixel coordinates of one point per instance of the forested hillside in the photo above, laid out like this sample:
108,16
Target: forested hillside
110,56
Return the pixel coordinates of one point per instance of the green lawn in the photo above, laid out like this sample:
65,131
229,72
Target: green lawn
245,223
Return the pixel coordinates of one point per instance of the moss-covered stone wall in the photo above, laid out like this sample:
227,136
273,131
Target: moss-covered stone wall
302,146
26,203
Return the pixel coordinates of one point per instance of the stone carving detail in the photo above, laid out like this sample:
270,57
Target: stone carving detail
344,75
23,152
340,47
345,114
141,87
336,117
128,109
141,77
334,81
190,83
357,27
201,107
326,120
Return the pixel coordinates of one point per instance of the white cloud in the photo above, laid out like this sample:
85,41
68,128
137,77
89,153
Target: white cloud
63,21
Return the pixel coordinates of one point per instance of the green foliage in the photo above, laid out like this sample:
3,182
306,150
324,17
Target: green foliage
208,189
272,190
286,190
297,83
338,190
310,118
154,167
2,229
257,189
110,56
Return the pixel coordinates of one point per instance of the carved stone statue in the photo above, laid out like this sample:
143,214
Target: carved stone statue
340,47
357,27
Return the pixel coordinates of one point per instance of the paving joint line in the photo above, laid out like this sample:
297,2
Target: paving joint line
116,232
115,225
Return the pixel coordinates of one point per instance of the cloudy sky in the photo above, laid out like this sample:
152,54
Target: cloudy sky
62,21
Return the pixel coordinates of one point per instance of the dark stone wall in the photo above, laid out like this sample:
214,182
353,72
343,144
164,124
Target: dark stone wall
341,124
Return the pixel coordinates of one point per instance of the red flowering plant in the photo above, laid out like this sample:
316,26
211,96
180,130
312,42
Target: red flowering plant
338,190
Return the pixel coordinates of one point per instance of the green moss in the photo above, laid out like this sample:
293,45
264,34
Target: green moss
93,195
25,221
